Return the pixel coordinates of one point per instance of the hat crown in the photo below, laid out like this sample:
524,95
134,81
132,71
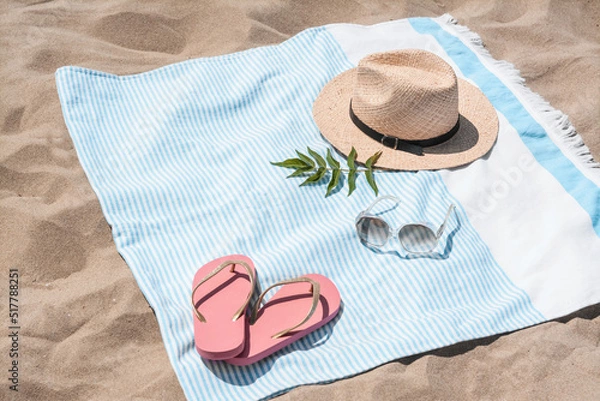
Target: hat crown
408,94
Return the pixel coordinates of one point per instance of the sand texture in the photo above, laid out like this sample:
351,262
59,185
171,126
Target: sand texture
87,333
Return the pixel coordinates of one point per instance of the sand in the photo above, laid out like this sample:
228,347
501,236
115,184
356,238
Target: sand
87,333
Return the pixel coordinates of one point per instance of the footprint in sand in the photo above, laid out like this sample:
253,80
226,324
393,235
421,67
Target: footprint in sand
48,60
144,32
12,121
53,252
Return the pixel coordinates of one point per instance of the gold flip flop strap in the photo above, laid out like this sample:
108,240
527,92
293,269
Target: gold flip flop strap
315,289
213,273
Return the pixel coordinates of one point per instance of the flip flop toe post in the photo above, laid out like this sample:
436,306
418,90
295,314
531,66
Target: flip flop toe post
299,307
221,292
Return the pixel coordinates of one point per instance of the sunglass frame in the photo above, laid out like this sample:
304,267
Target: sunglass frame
396,233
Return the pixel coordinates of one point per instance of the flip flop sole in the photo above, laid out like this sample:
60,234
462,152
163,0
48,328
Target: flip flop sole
286,308
218,299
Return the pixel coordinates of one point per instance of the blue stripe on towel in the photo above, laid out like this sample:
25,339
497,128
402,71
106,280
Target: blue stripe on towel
179,158
585,192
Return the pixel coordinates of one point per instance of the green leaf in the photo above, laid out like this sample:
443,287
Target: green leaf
351,181
315,170
371,180
372,160
351,158
306,159
317,157
315,177
335,179
291,163
332,162
300,171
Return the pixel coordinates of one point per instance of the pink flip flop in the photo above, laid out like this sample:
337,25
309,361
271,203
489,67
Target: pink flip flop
300,307
221,293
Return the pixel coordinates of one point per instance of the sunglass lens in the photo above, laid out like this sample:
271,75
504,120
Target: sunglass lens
417,238
373,231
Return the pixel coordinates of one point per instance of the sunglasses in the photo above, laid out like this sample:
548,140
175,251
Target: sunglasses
420,237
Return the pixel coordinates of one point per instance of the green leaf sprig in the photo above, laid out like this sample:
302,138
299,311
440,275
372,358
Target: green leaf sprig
318,167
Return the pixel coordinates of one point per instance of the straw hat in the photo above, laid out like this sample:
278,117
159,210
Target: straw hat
409,105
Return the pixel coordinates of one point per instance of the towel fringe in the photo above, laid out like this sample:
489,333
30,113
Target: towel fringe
555,121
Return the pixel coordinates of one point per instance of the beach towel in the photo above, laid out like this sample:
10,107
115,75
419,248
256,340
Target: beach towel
179,158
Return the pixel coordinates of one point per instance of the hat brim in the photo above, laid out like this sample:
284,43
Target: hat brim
476,136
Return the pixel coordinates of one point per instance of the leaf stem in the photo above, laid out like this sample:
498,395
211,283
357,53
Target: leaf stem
345,170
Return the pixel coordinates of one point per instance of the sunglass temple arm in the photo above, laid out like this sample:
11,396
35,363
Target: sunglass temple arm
379,199
440,230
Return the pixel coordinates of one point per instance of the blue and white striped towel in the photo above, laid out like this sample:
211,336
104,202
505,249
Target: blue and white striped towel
179,158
